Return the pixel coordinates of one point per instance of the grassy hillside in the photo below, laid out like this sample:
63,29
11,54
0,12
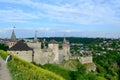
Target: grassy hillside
22,70
58,70
70,65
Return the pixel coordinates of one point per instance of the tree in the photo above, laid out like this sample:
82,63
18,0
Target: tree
3,47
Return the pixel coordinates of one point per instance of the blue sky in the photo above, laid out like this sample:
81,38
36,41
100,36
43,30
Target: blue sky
81,18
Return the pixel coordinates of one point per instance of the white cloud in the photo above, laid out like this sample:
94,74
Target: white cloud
88,12
70,31
16,15
78,12
3,30
70,12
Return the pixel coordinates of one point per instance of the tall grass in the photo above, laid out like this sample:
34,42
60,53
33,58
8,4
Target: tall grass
22,70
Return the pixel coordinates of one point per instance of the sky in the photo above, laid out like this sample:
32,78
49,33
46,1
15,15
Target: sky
58,18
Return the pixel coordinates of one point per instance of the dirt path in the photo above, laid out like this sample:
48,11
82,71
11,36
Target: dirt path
4,72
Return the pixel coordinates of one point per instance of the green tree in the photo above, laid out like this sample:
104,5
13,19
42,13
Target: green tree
3,47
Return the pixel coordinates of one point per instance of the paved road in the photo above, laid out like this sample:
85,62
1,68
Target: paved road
4,72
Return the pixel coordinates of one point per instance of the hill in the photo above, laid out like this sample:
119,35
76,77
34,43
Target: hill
22,70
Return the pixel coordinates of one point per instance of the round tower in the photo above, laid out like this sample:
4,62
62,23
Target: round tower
53,45
66,49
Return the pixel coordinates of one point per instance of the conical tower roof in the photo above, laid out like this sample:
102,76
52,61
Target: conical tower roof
64,40
35,38
13,37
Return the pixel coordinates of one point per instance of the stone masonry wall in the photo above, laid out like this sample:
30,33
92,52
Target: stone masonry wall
87,59
26,55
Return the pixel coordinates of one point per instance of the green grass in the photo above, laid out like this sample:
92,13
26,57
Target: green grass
22,70
64,69
58,70
70,65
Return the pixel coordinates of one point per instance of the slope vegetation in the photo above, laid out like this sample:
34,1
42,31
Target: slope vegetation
22,70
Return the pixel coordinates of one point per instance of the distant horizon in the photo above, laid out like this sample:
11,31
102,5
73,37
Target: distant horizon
31,33
62,36
79,18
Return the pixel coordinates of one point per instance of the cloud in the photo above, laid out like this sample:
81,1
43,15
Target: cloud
70,11
63,13
5,30
70,31
16,15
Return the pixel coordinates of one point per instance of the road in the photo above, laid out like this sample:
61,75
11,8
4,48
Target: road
4,72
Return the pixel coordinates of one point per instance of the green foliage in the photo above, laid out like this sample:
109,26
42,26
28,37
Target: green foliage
22,70
73,75
3,54
3,47
58,70
75,39
42,45
107,65
99,78
101,70
81,69
60,46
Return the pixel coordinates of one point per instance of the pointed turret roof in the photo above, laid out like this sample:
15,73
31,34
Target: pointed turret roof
13,37
35,38
64,40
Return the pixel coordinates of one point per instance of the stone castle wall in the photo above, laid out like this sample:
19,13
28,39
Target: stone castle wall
54,49
26,55
36,45
83,60
43,56
37,51
51,55
66,52
87,59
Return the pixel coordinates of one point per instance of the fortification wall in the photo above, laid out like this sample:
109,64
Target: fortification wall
56,53
66,51
87,59
63,54
26,55
44,57
36,45
50,55
50,46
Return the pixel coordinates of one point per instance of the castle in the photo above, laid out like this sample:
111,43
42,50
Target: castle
31,50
